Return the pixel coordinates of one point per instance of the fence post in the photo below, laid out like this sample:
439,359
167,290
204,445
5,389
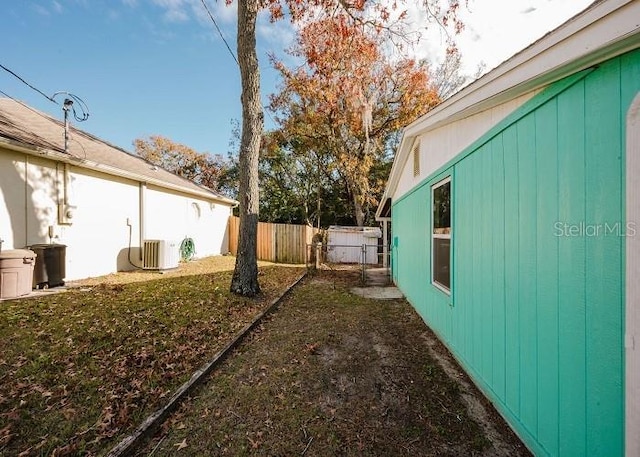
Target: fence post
363,260
318,252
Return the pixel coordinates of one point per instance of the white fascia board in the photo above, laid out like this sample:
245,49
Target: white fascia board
406,144
599,33
95,166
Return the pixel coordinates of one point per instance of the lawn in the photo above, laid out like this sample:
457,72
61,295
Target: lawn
80,370
329,373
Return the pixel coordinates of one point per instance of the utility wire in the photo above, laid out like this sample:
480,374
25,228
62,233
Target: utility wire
219,31
25,105
74,98
31,86
83,106
231,51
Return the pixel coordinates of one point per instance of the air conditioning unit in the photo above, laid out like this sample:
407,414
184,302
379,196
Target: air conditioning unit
160,255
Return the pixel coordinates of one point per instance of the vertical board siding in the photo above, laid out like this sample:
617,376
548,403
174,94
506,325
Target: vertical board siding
498,221
571,274
603,151
511,271
537,312
527,227
283,243
547,274
485,274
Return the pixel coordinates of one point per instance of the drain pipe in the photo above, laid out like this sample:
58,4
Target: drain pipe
142,192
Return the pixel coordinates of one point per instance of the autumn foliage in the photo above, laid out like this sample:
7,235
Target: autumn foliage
349,101
352,18
201,168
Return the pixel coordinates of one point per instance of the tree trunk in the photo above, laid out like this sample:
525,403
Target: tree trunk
358,211
245,274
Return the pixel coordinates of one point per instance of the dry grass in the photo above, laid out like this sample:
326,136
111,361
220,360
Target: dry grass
80,370
332,374
206,265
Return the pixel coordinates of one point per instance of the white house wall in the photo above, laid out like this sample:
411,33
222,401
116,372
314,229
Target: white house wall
98,239
106,215
13,221
439,146
173,216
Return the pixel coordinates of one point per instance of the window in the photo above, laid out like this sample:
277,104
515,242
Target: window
441,234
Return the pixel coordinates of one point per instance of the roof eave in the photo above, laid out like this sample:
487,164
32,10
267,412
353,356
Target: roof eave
95,166
558,54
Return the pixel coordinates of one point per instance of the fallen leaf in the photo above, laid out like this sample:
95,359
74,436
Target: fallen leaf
181,445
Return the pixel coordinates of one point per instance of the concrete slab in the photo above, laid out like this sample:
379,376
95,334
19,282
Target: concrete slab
377,277
39,293
380,293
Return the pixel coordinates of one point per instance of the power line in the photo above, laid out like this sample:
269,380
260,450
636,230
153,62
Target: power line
72,98
25,105
219,31
230,50
31,86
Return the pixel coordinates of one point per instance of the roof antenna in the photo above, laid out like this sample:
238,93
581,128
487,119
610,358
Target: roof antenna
66,106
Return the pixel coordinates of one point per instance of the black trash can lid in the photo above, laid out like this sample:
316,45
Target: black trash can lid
47,245
17,254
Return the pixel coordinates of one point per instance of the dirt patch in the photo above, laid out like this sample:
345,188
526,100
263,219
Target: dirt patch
329,374
503,440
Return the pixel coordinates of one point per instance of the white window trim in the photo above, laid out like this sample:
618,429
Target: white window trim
442,236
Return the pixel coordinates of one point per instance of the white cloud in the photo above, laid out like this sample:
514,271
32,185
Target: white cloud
497,30
176,15
41,10
222,12
175,10
278,35
57,7
494,30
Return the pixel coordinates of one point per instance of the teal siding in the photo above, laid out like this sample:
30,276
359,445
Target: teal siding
536,314
603,195
571,275
546,119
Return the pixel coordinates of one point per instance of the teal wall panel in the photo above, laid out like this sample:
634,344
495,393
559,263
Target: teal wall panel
546,142
497,268
603,196
511,272
527,228
571,274
536,314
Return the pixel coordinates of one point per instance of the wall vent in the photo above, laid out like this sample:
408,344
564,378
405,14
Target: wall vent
416,158
160,255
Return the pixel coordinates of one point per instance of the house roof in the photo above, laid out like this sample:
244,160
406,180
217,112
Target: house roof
605,29
27,130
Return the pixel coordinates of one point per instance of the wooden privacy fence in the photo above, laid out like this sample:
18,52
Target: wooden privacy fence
283,243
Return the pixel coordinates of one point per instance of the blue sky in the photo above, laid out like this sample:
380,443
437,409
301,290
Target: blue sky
148,67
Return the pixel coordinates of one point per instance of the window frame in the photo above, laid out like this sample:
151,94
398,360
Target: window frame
434,236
